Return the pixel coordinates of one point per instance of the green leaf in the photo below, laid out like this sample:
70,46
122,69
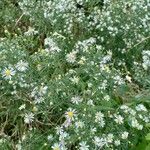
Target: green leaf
147,137
148,147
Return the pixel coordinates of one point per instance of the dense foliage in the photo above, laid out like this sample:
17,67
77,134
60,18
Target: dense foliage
74,74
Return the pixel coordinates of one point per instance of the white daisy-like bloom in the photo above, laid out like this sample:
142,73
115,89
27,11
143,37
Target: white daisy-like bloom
90,102
75,80
43,89
134,123
141,107
56,146
63,135
76,99
102,123
132,112
51,46
99,142
99,116
117,142
124,135
84,146
28,118
79,124
18,146
31,31
50,137
70,114
119,119
59,130
107,97
110,137
7,73
38,100
39,91
22,66
128,78
71,57
22,107
125,108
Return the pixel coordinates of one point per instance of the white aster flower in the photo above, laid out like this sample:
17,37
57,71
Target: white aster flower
110,137
70,114
31,31
50,137
7,73
22,107
107,97
75,80
28,118
71,57
117,142
141,107
99,142
124,135
79,124
22,66
51,46
76,99
90,102
83,146
119,119
99,116
56,146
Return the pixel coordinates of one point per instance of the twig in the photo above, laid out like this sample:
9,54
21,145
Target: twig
140,42
18,20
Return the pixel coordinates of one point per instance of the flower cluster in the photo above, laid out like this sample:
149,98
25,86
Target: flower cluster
74,74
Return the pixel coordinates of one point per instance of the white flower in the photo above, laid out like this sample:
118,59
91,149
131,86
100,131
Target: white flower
107,97
70,113
90,102
83,146
51,46
134,123
75,80
28,118
119,119
7,73
38,100
22,107
43,90
140,127
56,146
79,124
50,137
100,142
76,99
141,107
71,57
18,146
22,66
59,130
125,108
31,31
117,142
110,137
102,123
128,78
99,116
124,135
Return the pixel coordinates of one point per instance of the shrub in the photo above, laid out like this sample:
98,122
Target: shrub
74,74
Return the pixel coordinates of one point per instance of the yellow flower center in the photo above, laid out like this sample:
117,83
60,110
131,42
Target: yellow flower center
57,148
8,72
70,114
